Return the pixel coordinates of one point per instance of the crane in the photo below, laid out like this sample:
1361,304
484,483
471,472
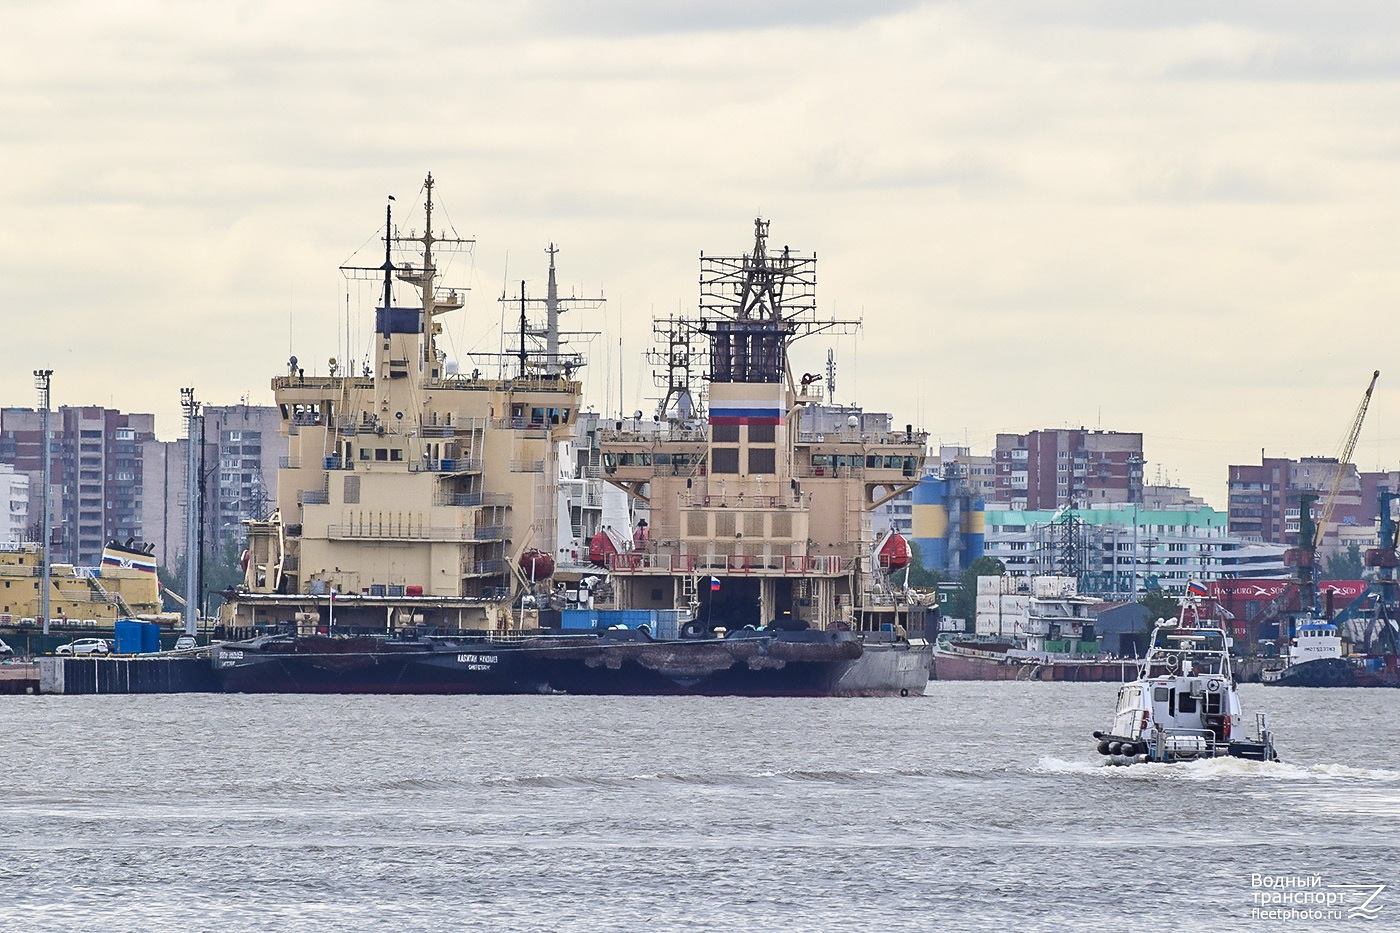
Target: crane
1310,532
1344,458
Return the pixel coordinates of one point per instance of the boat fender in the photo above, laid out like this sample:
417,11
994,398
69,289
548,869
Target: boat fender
1115,748
904,691
1103,748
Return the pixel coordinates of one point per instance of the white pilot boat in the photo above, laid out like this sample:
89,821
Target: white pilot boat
1183,706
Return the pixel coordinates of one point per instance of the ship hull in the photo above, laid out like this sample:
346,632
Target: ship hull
1333,672
955,665
581,665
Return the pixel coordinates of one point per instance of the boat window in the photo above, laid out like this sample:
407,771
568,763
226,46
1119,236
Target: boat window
762,460
724,433
1159,694
725,459
395,454
821,460
1186,703
381,454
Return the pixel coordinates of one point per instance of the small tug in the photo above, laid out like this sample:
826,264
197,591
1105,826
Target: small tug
1183,706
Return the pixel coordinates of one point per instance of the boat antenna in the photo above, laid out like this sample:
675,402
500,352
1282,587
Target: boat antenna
388,266
523,351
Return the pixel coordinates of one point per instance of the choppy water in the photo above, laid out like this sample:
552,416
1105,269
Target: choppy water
976,807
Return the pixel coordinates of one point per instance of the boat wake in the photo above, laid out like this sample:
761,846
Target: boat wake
1216,769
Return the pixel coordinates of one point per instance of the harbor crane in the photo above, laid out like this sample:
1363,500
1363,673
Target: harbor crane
1310,532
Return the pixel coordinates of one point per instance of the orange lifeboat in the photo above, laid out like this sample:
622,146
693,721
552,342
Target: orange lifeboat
894,553
536,565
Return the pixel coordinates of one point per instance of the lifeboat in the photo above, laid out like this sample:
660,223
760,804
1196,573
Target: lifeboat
536,565
894,553
601,547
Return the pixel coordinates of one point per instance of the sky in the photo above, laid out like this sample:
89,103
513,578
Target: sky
1171,219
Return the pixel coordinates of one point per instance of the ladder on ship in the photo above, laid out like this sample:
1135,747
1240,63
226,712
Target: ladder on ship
108,596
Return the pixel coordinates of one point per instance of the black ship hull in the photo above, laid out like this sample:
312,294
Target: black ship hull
803,665
1334,672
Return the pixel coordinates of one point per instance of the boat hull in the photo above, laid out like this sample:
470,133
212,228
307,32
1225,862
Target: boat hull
1333,672
581,665
957,665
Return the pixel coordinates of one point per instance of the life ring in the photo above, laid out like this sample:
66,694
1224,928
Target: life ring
1213,686
1173,662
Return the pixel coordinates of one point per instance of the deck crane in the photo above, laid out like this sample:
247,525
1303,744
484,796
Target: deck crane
1310,533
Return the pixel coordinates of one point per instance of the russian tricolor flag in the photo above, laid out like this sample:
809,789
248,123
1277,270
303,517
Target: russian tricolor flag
1196,588
714,584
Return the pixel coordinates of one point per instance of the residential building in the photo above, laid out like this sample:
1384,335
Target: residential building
14,505
243,448
1264,499
1054,468
96,473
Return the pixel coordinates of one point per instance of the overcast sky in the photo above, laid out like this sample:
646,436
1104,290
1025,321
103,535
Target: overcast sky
1176,219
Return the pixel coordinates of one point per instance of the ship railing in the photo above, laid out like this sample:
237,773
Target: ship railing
469,499
446,465
485,568
694,500
322,382
437,430
869,438
730,564
531,428
394,530
314,496
527,466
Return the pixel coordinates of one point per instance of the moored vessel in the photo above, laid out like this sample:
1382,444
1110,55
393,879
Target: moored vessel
419,512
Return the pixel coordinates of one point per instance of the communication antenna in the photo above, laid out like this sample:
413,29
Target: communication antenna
830,375
41,382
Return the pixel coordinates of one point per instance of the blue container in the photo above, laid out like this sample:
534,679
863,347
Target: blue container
395,589
376,589
578,619
150,637
128,636
668,623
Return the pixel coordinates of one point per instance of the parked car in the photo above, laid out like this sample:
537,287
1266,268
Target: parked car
85,646
185,643
5,650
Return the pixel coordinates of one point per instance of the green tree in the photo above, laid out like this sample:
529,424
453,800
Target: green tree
1159,605
1344,565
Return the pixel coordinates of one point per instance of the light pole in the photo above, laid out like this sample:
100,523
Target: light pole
41,382
192,484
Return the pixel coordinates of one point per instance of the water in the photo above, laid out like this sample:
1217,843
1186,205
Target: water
978,806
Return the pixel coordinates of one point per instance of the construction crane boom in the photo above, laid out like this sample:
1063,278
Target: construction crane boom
1343,459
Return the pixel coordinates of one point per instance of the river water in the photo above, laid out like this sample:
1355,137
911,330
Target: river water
977,807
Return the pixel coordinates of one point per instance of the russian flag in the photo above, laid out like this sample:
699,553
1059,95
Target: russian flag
1196,588
714,584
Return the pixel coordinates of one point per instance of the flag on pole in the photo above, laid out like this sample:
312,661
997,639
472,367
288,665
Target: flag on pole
714,584
1196,588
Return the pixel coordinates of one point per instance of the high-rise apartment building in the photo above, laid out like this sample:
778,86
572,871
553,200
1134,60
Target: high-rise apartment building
96,473
1054,468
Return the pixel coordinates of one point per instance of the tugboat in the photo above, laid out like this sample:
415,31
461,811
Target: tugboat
1183,706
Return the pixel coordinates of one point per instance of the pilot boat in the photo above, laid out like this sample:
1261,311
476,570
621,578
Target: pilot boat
1184,705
